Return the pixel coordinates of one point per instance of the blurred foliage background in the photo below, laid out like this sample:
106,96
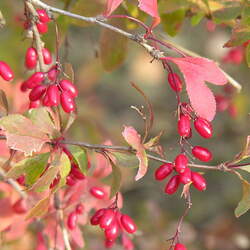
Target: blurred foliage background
104,107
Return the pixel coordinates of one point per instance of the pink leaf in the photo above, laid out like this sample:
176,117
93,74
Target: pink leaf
149,6
134,140
112,5
197,70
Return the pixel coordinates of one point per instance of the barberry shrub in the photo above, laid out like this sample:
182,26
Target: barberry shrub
75,173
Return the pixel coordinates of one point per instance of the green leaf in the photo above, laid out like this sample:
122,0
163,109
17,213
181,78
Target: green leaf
226,14
32,167
80,156
244,154
65,166
244,204
113,46
116,179
195,20
40,209
4,107
22,134
172,22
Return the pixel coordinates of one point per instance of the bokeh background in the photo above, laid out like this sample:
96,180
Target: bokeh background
104,106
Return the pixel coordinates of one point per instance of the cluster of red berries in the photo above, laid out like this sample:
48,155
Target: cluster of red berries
113,222
73,216
6,72
41,23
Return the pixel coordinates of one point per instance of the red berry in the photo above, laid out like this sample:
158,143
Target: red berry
24,87
21,180
181,162
69,86
37,92
76,172
34,104
95,219
34,80
128,224
203,127
172,185
42,27
46,101
20,206
109,243
184,127
175,82
6,72
186,176
31,58
202,154
47,58
79,208
112,232
53,95
52,74
97,192
43,16
108,218
70,180
179,246
67,102
163,171
72,220
199,181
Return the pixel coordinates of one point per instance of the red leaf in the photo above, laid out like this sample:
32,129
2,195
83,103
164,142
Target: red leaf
197,70
149,6
112,5
134,140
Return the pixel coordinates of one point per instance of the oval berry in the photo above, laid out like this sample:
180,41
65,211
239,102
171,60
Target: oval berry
202,154
175,82
20,206
163,171
53,95
107,219
185,177
72,220
43,16
181,162
67,102
69,86
6,72
97,192
203,127
34,80
42,27
53,73
47,58
112,232
199,181
172,185
37,92
21,180
70,180
79,208
31,58
128,224
34,104
184,127
95,219
179,246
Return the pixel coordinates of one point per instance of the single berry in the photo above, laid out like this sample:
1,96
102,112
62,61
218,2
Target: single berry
42,27
184,127
179,246
203,127
53,73
47,58
43,16
20,206
95,219
97,192
202,154
79,208
72,220
34,80
21,180
31,58
109,243
175,82
6,72
112,232
185,177
181,162
67,102
53,95
172,185
163,171
46,101
128,224
108,218
69,86
199,181
37,92
70,180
